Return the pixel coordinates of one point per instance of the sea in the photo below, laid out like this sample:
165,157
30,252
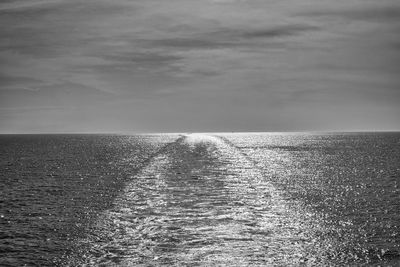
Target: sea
204,199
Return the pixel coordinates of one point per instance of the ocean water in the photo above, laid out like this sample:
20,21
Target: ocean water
212,199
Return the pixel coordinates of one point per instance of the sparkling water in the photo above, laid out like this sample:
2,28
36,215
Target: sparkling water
262,199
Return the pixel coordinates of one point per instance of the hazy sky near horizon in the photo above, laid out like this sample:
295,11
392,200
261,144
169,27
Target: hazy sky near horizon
199,65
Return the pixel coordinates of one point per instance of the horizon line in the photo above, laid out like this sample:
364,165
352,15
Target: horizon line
200,132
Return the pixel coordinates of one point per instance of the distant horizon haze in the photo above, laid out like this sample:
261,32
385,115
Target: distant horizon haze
211,133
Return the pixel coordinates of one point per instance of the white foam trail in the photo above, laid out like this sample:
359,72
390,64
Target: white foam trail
239,217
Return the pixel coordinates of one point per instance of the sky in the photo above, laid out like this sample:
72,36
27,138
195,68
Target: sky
122,66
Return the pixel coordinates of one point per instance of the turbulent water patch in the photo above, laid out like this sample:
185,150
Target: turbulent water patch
200,202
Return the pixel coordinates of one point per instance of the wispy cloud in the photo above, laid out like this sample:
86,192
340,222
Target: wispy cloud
230,37
18,82
52,28
369,13
29,109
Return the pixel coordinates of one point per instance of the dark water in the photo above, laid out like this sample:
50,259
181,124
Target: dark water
200,199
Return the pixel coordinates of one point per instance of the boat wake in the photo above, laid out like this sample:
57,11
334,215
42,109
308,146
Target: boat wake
199,201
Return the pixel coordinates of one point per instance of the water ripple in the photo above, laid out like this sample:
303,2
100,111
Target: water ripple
203,202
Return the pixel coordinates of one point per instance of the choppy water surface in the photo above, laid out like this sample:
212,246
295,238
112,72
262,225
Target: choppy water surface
200,199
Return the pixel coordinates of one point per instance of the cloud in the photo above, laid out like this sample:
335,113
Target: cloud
30,109
369,13
279,31
17,6
230,37
148,61
50,28
18,82
188,43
